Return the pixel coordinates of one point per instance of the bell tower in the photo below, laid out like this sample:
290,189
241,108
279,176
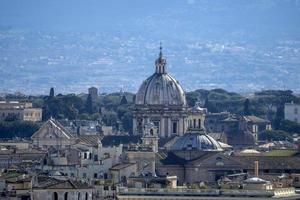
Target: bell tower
160,63
150,137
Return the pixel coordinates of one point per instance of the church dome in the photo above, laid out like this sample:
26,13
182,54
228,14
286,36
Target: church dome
160,88
196,140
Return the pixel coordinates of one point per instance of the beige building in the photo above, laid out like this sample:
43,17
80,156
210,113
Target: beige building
52,133
292,112
21,110
59,188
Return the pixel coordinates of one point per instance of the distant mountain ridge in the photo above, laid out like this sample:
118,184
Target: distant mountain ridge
241,46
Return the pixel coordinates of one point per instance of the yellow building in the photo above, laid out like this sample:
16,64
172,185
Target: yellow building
20,110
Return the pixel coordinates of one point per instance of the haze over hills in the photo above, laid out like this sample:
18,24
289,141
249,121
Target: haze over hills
238,45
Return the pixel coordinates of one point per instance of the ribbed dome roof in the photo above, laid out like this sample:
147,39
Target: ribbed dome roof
196,140
160,88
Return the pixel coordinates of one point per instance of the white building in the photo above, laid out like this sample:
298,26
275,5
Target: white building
292,112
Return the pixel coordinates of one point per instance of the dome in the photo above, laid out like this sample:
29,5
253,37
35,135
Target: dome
196,140
160,88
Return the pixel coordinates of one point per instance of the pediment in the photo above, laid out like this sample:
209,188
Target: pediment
51,130
218,160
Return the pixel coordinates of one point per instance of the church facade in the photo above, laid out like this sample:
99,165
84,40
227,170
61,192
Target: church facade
161,100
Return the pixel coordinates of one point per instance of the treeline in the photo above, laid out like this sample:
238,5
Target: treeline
110,109
21,129
116,109
268,104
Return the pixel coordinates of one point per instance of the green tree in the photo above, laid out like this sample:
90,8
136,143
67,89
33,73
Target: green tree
14,129
127,122
246,107
110,118
279,116
51,93
11,117
274,135
191,98
89,104
290,126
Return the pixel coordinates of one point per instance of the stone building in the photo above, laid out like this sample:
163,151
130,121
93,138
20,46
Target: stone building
161,100
53,134
22,111
59,188
292,112
93,91
196,157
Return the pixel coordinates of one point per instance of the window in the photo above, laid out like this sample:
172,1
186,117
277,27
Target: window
95,175
151,131
194,125
157,125
55,196
199,123
85,155
66,196
79,196
174,129
296,179
95,157
86,196
105,176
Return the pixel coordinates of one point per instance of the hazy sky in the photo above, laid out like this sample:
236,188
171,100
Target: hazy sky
246,36
261,17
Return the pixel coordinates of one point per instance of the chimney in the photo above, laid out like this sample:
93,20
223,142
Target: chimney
256,168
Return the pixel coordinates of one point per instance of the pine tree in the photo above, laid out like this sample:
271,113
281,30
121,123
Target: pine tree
123,100
89,104
246,107
51,94
279,116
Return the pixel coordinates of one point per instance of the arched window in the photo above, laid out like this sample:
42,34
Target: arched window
151,131
66,196
86,196
105,176
79,196
55,196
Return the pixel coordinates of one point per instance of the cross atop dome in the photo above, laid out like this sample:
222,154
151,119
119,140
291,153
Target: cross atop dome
160,51
160,62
